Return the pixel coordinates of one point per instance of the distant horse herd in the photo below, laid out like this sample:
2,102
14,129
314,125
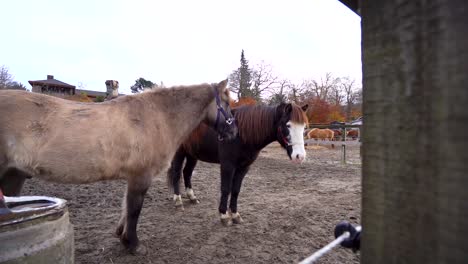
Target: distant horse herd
138,137
330,134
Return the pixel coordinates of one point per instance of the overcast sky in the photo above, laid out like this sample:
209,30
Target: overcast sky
177,42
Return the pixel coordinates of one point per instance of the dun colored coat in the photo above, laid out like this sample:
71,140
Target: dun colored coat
133,137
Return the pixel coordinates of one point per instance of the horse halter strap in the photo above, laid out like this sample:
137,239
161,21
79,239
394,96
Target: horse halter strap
229,120
285,140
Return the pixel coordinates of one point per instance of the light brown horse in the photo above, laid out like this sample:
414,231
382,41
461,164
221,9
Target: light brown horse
353,134
132,137
317,133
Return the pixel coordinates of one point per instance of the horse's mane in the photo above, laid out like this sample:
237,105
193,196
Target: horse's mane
254,121
195,137
298,116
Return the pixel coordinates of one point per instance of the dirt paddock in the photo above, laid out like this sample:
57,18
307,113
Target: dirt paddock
289,212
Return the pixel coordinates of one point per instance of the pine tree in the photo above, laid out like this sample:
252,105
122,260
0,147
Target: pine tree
141,84
245,76
240,80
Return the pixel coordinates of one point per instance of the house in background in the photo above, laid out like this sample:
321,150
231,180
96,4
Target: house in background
64,90
53,87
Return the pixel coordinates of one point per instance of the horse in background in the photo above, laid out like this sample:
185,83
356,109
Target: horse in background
258,126
132,137
337,133
318,133
352,134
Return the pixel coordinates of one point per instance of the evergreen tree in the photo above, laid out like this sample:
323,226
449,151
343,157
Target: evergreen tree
245,77
240,80
141,84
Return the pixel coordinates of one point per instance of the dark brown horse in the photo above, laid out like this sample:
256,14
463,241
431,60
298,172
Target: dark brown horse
258,126
70,142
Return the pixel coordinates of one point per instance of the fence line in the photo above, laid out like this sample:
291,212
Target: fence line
343,127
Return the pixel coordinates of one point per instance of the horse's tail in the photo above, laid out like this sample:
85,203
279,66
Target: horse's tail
176,167
169,177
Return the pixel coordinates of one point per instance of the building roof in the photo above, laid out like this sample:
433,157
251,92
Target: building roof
91,93
51,82
353,5
357,121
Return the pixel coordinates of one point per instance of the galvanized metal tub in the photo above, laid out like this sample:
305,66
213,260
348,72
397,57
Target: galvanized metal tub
37,230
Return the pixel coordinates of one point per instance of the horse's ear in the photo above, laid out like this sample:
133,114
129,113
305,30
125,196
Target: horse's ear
304,107
222,85
288,108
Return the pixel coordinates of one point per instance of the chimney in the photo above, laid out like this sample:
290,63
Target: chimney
50,77
112,89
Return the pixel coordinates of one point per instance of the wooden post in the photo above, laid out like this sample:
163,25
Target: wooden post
415,140
343,153
344,133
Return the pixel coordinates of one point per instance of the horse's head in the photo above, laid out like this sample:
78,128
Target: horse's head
290,130
219,113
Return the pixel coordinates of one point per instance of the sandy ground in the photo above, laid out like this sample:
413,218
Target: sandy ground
289,212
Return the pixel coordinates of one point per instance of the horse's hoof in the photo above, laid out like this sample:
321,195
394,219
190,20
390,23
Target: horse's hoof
226,220
191,195
195,201
236,218
178,202
132,245
138,250
119,230
179,206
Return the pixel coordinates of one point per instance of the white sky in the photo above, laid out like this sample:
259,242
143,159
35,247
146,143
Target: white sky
177,42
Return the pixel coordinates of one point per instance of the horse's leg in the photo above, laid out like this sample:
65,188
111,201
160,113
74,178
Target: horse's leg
188,170
12,181
136,190
227,173
174,174
236,186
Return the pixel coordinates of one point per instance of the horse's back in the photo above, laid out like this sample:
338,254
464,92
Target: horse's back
52,137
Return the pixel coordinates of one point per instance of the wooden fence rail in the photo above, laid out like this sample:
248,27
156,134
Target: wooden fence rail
343,128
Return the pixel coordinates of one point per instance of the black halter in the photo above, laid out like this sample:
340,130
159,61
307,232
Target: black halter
285,139
229,120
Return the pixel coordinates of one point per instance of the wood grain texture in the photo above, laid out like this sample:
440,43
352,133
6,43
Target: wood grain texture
415,140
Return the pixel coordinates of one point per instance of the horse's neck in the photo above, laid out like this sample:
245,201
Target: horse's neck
271,135
185,109
271,138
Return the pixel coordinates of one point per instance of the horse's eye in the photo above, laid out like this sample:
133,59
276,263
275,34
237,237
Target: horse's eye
288,125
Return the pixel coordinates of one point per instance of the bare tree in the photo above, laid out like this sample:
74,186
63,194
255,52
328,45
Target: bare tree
336,96
280,95
296,93
5,77
263,80
234,83
81,86
7,82
322,88
351,94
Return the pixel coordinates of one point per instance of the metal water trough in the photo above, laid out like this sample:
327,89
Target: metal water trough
36,229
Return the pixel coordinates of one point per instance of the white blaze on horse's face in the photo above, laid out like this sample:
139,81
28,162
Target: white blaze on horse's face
296,132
